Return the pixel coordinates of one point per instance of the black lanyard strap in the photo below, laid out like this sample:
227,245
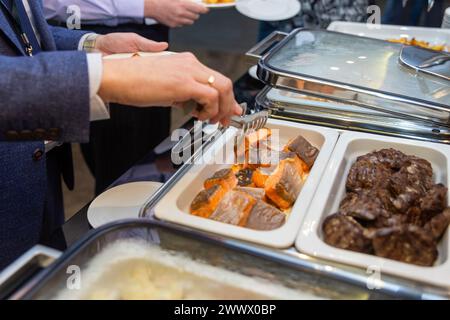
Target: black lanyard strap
17,27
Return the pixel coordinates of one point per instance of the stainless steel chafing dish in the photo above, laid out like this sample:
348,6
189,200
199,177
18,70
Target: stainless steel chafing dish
295,92
352,83
23,282
335,97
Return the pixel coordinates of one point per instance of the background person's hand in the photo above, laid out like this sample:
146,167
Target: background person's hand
169,81
174,13
127,43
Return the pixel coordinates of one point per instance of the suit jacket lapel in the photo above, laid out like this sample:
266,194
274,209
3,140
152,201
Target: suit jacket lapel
6,28
47,40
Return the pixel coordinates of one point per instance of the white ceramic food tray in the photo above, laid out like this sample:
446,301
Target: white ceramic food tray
434,36
331,191
174,207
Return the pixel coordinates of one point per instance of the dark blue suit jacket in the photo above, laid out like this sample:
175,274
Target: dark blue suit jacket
45,97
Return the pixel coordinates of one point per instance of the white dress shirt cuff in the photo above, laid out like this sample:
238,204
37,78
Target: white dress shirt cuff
98,109
130,9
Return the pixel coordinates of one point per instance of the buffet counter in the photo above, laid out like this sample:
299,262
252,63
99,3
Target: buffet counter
355,207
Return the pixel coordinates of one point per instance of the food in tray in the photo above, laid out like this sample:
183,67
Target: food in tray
257,193
265,217
226,178
392,209
138,270
419,43
304,150
284,185
234,208
206,202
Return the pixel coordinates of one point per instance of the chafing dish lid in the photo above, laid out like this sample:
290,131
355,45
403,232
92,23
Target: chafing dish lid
353,69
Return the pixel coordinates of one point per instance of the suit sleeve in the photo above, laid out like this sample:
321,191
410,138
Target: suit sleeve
67,39
45,97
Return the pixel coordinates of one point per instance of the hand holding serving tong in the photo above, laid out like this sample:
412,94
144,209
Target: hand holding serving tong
246,123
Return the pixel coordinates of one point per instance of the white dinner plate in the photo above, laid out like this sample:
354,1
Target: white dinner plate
253,72
121,202
269,10
217,5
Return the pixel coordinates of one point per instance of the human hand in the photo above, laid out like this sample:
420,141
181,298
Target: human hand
170,81
174,13
126,43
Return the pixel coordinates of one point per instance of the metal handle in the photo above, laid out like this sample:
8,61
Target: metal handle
256,53
195,138
25,268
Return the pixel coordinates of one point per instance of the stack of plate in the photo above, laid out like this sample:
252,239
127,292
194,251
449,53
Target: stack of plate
446,21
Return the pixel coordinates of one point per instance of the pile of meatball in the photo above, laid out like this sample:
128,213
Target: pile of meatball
392,209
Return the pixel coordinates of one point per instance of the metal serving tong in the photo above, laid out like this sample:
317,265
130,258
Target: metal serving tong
430,4
246,123
427,61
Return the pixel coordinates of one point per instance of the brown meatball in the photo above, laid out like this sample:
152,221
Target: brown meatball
438,224
365,205
367,175
407,243
392,158
410,183
344,232
434,201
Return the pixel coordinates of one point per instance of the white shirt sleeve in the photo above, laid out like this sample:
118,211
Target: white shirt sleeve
104,12
98,109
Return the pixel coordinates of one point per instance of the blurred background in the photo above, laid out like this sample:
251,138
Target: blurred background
220,40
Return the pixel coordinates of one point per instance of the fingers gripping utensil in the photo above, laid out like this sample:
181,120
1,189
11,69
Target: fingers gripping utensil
246,123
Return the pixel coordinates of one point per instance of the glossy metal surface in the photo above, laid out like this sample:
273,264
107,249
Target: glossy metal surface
25,268
227,254
427,61
355,119
365,73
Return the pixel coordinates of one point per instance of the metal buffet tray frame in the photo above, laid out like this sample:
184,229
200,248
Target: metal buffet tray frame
225,253
330,271
366,74
429,122
305,110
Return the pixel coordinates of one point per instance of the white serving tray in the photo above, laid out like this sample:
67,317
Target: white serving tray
174,207
331,191
434,36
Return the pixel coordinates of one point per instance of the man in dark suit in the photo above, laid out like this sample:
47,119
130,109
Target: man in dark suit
118,143
50,90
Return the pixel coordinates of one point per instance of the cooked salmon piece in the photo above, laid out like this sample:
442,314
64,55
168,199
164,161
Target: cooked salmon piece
256,137
259,178
284,185
265,217
261,156
234,208
253,149
306,152
226,178
206,202
256,193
